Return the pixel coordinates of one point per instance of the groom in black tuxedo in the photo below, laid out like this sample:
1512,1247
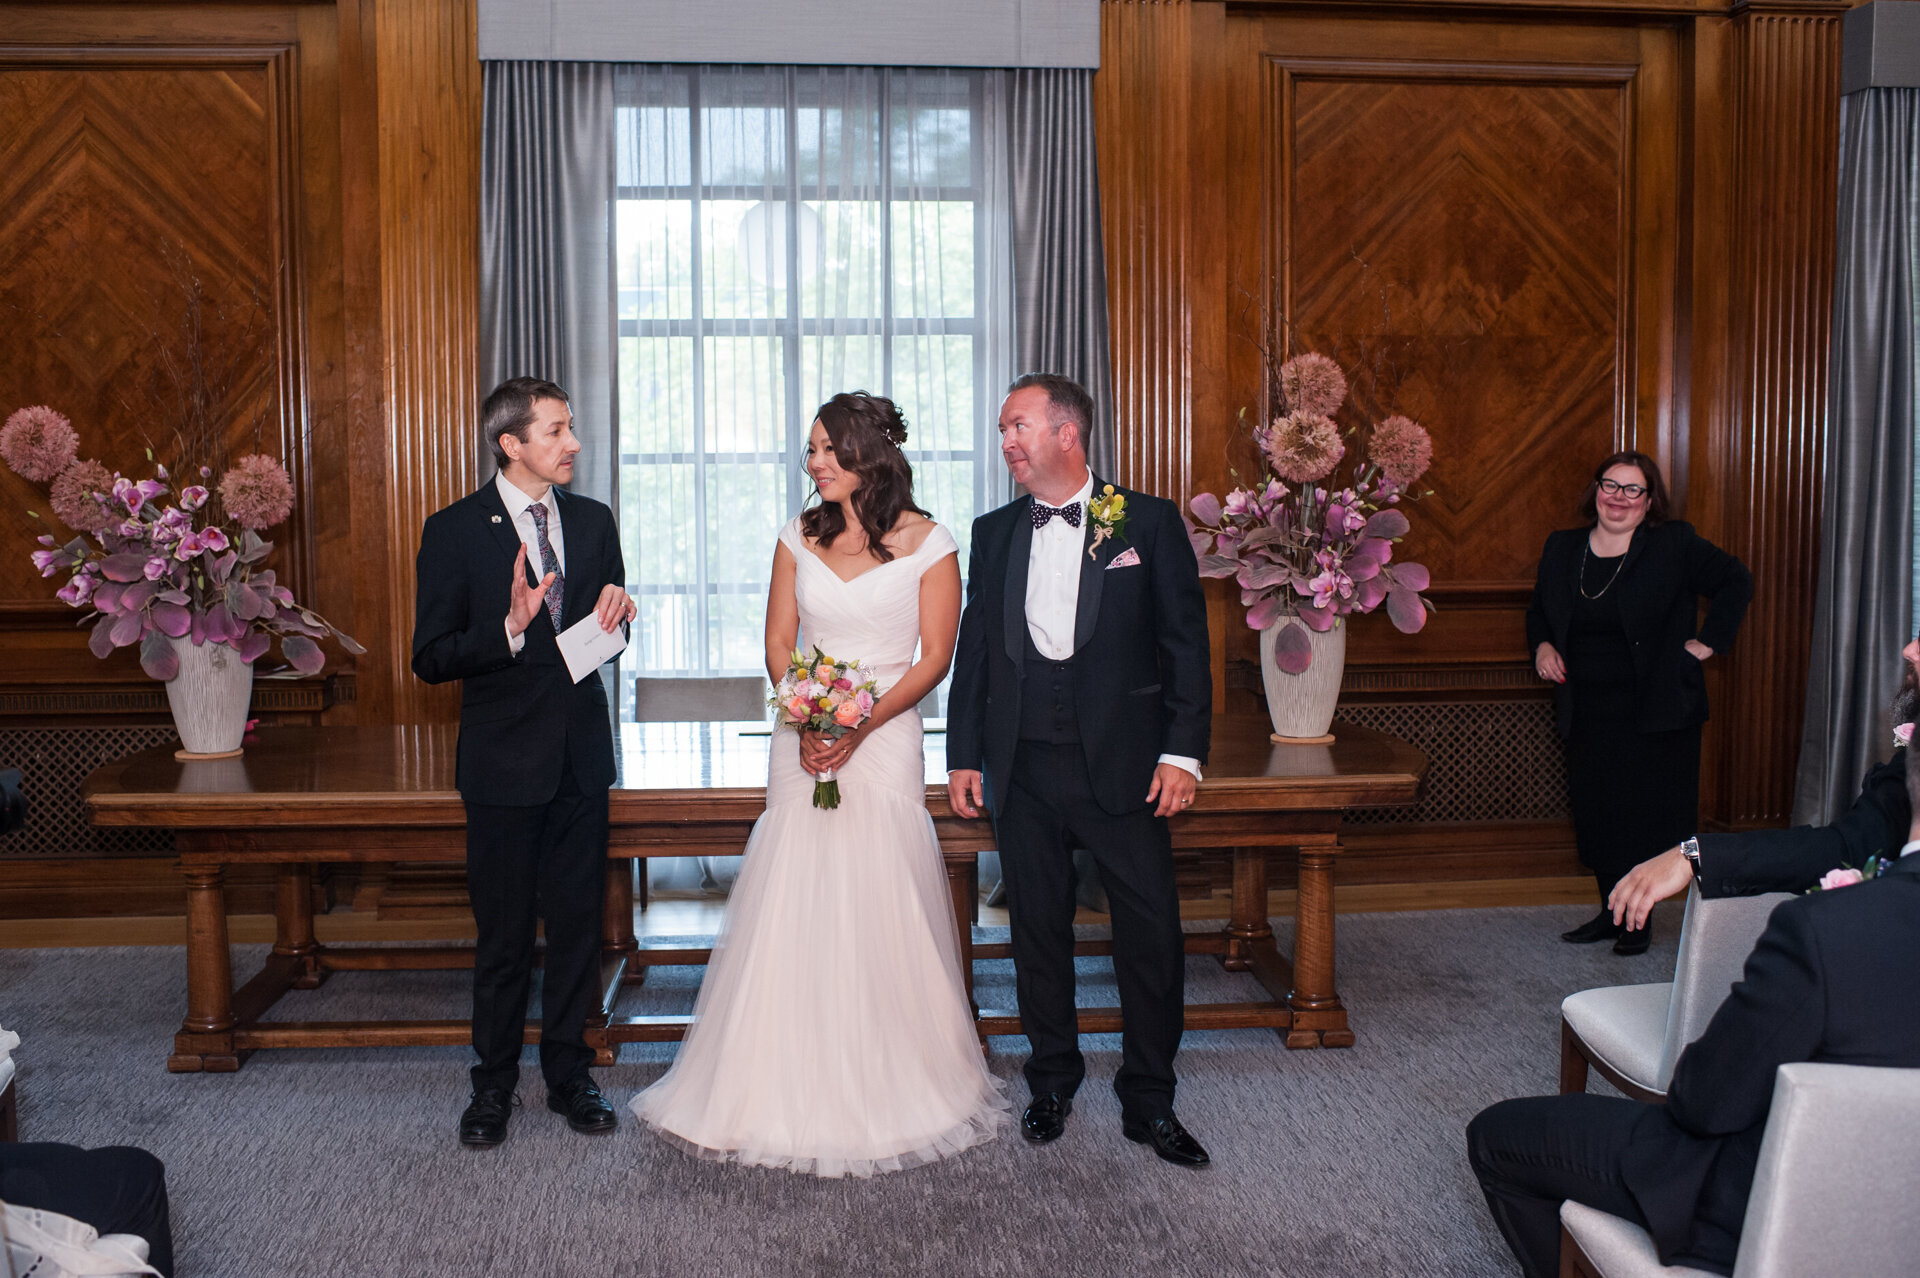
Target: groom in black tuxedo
535,757
1080,713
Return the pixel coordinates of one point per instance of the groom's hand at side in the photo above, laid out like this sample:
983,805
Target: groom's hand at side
964,792
1173,787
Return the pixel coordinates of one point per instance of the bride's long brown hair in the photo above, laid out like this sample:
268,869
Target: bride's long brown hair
867,432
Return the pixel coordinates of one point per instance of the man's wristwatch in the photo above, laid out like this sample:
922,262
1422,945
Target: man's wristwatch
1690,849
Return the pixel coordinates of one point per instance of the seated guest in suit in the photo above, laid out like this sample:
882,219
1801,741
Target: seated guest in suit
535,757
1683,1170
1793,860
117,1190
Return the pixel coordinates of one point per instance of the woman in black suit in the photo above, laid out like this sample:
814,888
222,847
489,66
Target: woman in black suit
1612,624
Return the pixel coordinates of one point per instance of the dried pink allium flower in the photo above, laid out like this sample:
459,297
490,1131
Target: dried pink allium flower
1312,385
38,443
80,497
1303,447
256,491
1402,449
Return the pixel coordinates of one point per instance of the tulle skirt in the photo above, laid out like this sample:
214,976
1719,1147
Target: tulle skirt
832,1033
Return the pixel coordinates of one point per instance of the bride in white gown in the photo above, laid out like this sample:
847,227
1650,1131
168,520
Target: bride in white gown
832,1033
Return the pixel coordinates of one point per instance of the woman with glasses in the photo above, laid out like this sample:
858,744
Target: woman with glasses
1612,626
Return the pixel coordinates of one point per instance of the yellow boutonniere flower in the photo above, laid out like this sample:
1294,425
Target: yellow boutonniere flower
1108,512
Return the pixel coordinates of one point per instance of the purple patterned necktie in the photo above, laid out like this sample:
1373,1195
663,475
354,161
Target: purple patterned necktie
549,562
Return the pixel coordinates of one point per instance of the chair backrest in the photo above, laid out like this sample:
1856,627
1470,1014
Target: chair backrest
1837,1171
1715,939
699,700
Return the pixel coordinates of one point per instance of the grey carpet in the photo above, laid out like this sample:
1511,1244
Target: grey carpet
344,1162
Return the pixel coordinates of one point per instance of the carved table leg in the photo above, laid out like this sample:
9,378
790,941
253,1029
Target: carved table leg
205,1040
1319,1019
617,915
961,883
1248,926
293,925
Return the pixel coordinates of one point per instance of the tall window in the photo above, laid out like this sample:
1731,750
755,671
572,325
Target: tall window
784,234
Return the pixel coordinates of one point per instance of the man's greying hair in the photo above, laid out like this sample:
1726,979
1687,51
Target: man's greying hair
509,411
1067,400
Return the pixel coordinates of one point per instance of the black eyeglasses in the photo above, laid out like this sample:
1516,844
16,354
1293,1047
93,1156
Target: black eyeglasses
1632,492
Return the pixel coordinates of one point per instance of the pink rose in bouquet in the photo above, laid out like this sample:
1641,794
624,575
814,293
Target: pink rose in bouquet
1840,878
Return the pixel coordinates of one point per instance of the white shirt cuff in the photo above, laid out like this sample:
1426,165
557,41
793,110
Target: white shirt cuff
514,642
1182,762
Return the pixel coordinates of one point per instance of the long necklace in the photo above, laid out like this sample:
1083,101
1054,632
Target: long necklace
1582,580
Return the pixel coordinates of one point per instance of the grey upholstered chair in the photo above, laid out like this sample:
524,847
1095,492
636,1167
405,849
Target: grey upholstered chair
1634,1034
677,700
1831,1194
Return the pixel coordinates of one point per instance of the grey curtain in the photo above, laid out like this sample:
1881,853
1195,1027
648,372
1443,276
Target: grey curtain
1863,611
546,256
1059,263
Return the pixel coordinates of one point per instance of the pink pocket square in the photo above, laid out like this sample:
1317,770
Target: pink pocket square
1128,558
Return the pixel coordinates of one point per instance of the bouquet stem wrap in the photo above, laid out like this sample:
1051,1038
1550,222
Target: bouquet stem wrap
826,789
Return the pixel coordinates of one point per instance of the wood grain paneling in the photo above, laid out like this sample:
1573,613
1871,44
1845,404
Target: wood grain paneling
1761,407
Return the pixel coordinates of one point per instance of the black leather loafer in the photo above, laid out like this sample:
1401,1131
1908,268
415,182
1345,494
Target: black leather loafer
1600,927
1046,1117
1634,941
483,1123
586,1109
1169,1140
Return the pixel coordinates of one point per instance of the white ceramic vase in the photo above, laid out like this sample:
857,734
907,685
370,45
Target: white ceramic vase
210,697
1301,706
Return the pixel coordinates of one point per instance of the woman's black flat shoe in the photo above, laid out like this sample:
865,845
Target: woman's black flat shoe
1635,941
1600,927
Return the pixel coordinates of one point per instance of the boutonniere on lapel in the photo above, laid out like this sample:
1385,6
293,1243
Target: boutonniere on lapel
1902,735
1847,876
1108,515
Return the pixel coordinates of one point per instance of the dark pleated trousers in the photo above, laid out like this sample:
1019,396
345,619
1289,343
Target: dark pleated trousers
117,1190
1049,811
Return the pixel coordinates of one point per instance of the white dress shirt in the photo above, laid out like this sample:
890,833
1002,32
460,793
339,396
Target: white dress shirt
518,504
1053,590
1911,847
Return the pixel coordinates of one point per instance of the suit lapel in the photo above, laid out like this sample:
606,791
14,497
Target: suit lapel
1019,550
573,531
500,524
1093,576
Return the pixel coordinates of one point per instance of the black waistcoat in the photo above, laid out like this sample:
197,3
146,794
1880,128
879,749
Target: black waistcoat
1046,699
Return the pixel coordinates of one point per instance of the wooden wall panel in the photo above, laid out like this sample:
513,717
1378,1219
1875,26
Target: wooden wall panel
1542,230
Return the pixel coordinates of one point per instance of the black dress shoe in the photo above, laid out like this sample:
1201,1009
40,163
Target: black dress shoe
483,1124
1635,940
1046,1117
1169,1140
1600,927
586,1109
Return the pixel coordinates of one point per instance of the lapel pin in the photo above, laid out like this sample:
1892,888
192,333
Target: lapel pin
496,518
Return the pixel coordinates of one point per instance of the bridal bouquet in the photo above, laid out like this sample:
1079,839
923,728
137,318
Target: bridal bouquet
1305,548
154,560
824,695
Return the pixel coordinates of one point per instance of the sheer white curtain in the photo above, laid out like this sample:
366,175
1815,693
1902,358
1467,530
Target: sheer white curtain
784,234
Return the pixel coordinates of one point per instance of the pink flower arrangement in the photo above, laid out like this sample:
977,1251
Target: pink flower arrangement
1840,878
1302,548
159,570
1902,735
822,694
38,443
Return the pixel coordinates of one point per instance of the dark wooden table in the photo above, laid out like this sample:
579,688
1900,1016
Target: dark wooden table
301,796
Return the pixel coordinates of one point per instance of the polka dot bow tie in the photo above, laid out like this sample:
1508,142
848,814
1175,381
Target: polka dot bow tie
1043,512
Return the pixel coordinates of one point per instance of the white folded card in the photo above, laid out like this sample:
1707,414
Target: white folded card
587,647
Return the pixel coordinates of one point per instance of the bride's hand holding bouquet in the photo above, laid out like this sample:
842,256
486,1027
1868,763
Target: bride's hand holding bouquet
828,701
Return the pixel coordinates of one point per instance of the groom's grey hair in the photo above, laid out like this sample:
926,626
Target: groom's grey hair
1067,400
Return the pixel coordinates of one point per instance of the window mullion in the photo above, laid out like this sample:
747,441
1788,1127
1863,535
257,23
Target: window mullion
886,233
797,430
702,600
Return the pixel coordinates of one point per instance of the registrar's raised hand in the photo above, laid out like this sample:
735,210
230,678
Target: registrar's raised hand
526,600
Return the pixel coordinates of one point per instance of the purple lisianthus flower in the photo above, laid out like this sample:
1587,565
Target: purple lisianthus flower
47,561
77,591
133,529
1239,503
190,545
159,470
135,495
156,568
193,498
213,539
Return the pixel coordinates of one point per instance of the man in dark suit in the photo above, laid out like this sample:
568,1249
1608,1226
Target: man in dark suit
535,757
1080,714
1825,983
1751,862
